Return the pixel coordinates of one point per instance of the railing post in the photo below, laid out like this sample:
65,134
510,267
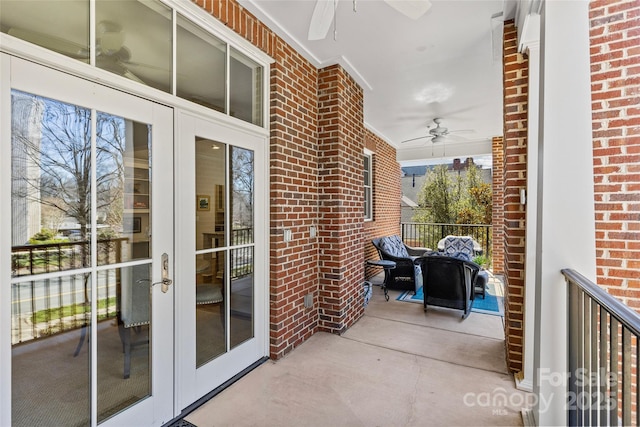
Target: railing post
33,310
573,345
613,368
626,377
487,243
595,365
602,363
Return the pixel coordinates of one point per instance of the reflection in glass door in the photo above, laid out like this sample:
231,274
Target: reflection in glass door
82,259
222,325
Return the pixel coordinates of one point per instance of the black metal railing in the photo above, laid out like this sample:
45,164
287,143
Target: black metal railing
428,235
241,258
603,356
43,307
241,236
28,260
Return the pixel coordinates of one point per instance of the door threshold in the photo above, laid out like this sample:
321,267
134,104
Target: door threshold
179,420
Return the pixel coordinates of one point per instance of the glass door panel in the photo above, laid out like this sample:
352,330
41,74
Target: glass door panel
82,258
242,179
210,184
242,195
210,161
241,296
212,273
51,187
124,358
49,318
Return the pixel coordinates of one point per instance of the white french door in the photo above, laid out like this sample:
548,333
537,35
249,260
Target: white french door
222,250
86,252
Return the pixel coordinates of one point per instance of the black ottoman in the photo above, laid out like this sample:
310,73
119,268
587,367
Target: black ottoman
480,286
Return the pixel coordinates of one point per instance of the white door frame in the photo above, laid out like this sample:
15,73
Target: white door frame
36,54
192,384
26,76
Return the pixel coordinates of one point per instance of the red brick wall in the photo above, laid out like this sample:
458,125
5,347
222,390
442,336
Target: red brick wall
387,192
234,16
515,76
293,199
615,88
341,145
497,211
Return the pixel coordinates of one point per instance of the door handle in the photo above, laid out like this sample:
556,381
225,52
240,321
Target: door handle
164,265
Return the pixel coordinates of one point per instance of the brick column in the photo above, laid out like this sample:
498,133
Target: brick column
515,179
615,85
497,203
341,199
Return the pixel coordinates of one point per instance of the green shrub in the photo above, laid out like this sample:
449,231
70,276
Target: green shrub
44,236
481,260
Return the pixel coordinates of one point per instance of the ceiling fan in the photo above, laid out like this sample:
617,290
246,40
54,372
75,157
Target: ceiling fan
437,133
325,11
111,53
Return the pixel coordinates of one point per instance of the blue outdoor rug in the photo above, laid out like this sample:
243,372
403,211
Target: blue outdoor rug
491,304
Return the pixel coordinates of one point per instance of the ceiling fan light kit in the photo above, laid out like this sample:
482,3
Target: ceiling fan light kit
437,133
111,42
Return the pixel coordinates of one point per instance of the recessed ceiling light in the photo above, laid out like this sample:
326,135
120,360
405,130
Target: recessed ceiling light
436,92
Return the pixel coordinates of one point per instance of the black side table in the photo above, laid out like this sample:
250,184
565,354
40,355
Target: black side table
386,265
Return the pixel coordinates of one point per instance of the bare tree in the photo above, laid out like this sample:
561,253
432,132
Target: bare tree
242,177
61,154
52,217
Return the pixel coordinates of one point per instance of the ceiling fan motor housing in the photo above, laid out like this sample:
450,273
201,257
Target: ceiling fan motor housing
438,130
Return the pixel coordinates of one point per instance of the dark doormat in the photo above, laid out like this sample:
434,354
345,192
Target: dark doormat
182,423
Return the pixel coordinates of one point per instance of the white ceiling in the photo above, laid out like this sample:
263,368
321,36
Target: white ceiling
443,64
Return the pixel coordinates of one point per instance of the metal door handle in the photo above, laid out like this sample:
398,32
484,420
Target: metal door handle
166,282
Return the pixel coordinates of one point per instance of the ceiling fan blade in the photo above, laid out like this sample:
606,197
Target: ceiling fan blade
415,139
321,19
56,44
413,9
128,74
114,65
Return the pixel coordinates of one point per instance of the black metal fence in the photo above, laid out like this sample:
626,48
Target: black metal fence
241,258
28,260
241,236
427,235
43,307
603,356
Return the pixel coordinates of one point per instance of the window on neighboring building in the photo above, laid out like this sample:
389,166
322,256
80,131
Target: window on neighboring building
368,186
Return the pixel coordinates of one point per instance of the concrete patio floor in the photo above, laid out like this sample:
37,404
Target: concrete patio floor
397,366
